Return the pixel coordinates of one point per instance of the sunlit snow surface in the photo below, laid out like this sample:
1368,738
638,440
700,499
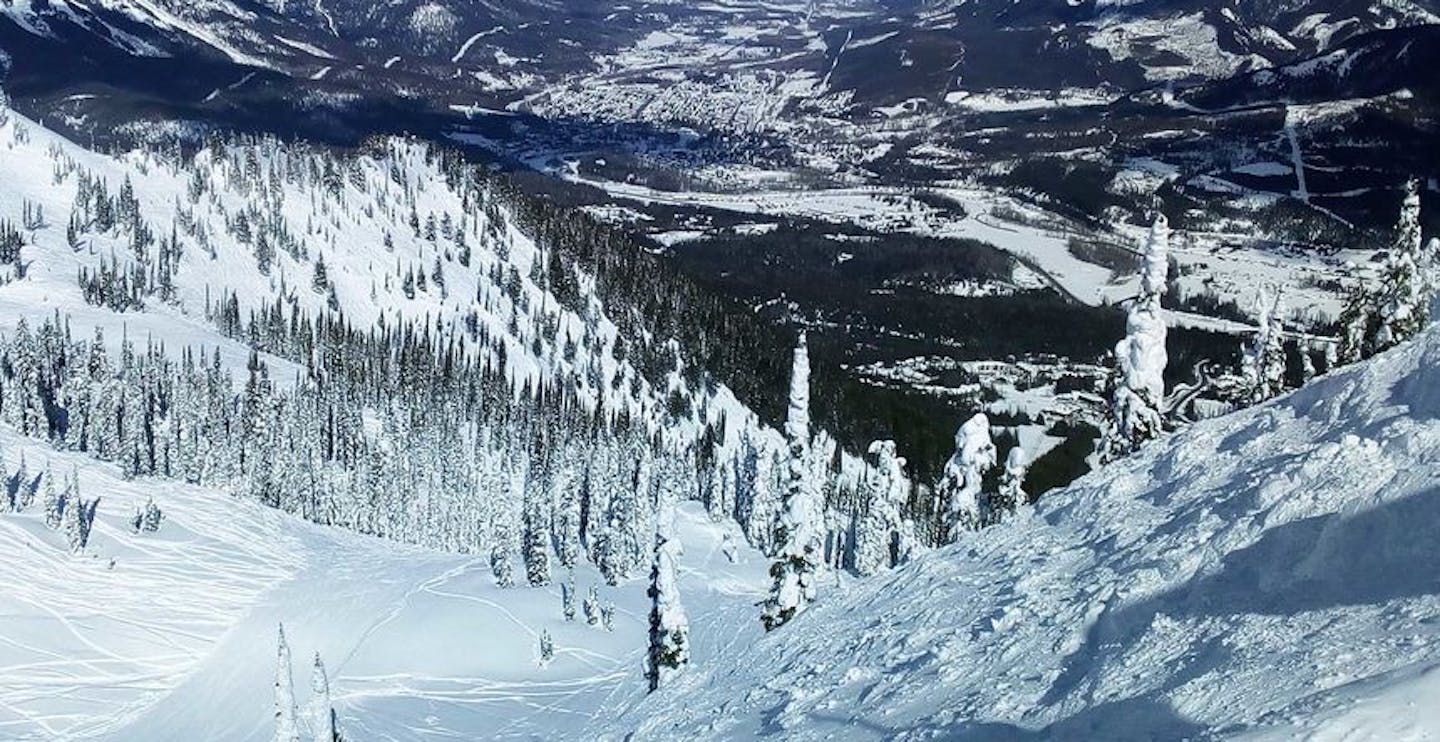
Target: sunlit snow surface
1266,575
1271,574
171,636
176,639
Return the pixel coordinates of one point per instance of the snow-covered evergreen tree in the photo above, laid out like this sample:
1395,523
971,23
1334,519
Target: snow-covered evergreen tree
79,517
1430,263
1356,319
535,546
1404,292
1011,493
148,518
18,484
794,572
502,554
1135,414
757,497
1381,315
592,606
54,503
607,615
321,711
287,726
547,647
570,486
26,492
669,628
962,481
567,596
879,531
1264,361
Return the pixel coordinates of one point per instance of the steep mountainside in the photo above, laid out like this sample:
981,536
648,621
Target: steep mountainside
397,235
1266,575
390,340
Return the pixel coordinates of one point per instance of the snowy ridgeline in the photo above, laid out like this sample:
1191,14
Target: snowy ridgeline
426,371
400,236
1268,574
171,634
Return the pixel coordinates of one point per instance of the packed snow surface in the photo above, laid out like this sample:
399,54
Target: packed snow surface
1266,575
172,635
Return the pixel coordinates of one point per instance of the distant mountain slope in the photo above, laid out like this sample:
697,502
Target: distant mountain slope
1269,574
1383,63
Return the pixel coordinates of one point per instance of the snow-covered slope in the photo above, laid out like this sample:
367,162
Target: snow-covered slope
385,224
1270,574
172,635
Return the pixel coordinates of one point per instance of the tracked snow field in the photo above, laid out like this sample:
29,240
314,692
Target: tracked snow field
172,635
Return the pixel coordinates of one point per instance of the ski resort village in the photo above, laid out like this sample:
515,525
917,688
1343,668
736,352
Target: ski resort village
668,370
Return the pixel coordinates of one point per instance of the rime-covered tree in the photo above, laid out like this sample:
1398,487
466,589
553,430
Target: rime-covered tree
320,278
55,503
1135,414
1381,314
570,493
79,518
881,528
502,552
28,490
287,725
757,498
592,606
17,485
567,596
1430,263
1264,361
669,628
1011,493
324,725
147,519
535,546
1356,319
1404,291
795,571
961,483
547,647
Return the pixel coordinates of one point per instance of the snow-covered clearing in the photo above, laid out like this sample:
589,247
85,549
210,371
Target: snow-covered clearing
1225,265
465,47
1297,158
885,209
310,49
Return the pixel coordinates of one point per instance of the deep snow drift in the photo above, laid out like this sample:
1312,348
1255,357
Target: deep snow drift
1270,574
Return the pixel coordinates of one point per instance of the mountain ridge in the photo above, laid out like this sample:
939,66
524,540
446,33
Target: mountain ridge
1261,576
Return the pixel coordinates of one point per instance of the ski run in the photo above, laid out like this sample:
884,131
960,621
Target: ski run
307,446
